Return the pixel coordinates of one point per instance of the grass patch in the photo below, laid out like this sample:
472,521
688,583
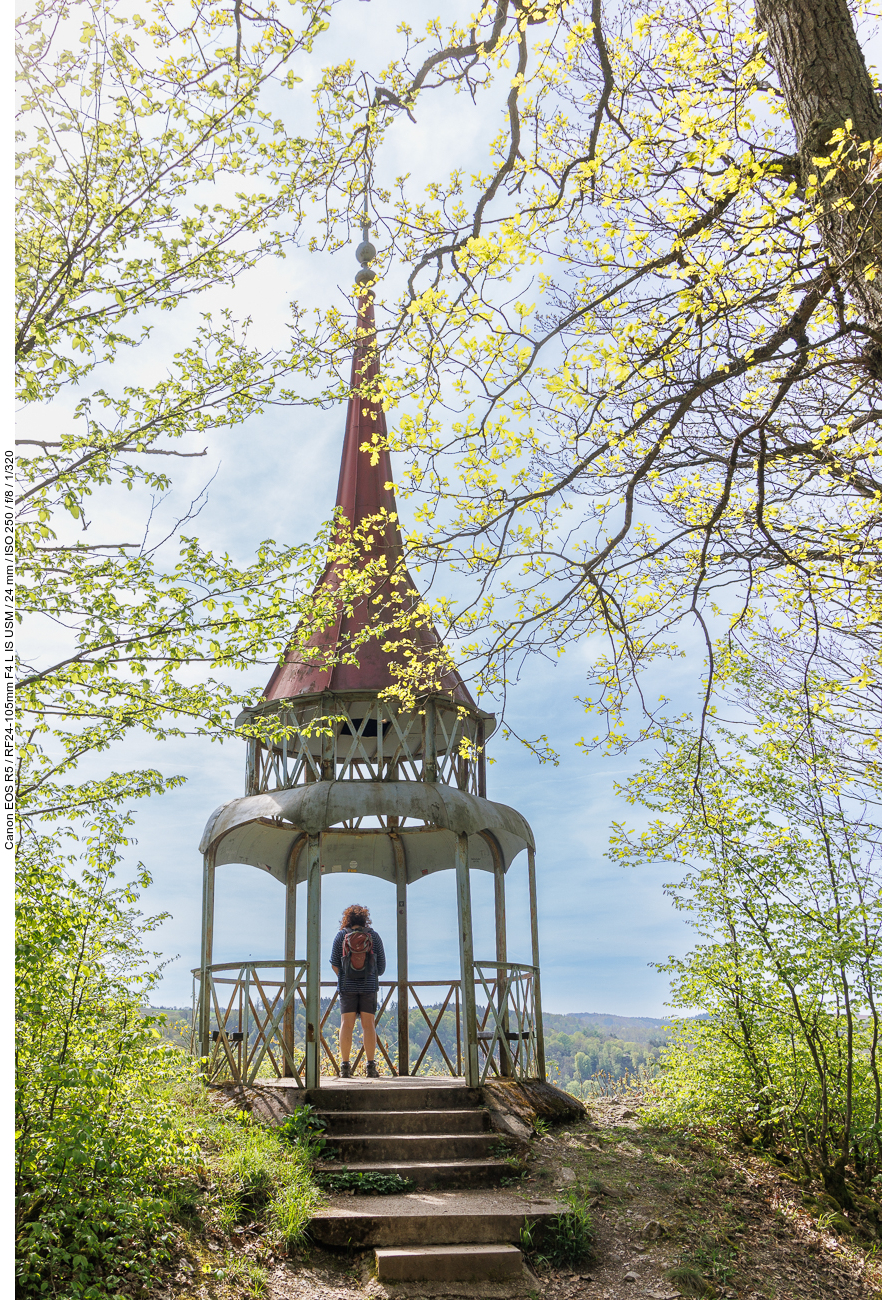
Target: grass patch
688,1280
715,1255
259,1176
564,1241
249,1279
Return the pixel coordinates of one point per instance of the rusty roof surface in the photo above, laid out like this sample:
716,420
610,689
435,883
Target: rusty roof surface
362,492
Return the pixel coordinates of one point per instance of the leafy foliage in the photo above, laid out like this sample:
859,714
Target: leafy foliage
366,1182
135,136
113,1136
625,359
781,849
96,1133
305,1128
633,369
130,124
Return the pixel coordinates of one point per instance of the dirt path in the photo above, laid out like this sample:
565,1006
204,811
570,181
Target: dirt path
661,1203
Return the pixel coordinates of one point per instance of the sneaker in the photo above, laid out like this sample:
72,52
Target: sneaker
372,1071
345,1070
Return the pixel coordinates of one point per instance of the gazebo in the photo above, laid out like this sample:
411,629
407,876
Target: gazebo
362,783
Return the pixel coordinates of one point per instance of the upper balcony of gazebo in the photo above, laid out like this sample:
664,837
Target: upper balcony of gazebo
358,736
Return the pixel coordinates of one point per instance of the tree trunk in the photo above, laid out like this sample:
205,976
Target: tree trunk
814,49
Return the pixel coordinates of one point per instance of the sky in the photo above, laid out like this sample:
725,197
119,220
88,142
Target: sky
601,926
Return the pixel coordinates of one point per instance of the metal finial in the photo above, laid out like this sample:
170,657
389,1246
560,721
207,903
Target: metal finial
365,251
365,254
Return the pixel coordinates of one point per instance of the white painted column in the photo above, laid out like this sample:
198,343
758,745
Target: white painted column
313,959
467,960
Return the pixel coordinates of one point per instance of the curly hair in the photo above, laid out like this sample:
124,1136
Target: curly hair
355,914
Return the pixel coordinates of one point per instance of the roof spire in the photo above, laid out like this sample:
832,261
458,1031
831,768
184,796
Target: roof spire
364,491
361,491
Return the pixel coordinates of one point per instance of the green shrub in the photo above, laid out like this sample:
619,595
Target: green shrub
113,1129
367,1183
779,847
97,1129
305,1128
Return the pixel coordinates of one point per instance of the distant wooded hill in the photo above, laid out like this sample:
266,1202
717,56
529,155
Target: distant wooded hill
582,1044
635,1029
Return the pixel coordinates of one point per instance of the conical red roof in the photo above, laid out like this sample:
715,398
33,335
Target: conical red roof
362,492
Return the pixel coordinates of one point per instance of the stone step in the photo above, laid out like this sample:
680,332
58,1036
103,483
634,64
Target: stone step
466,1263
391,1094
357,1122
428,1218
437,1173
376,1147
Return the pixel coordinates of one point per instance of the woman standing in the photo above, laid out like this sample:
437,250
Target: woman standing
358,961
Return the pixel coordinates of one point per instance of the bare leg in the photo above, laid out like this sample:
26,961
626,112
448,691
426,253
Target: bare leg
369,1035
347,1024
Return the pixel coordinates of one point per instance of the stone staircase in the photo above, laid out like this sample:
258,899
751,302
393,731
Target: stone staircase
458,1224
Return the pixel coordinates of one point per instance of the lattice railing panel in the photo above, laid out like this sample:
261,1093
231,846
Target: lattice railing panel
507,1027
248,1025
247,1021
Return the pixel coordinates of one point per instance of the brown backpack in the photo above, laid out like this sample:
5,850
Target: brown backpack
358,951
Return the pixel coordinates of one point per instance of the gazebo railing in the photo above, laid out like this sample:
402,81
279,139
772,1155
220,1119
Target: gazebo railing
257,1019
356,736
507,1040
330,1057
250,1018
431,1016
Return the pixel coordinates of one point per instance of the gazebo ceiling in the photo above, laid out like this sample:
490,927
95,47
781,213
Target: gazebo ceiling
261,830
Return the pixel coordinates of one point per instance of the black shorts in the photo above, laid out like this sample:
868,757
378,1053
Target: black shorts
359,1002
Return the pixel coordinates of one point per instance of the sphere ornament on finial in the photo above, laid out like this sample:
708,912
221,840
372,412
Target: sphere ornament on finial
365,254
